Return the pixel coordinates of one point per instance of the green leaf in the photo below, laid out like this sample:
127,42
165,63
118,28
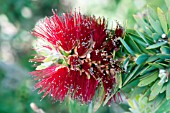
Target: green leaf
138,40
132,74
149,69
163,88
127,88
135,47
99,98
168,19
156,36
137,91
156,45
142,58
148,79
164,107
167,3
152,13
157,65
165,50
168,90
143,37
152,58
127,47
125,64
157,102
156,25
162,19
155,89
141,22
163,56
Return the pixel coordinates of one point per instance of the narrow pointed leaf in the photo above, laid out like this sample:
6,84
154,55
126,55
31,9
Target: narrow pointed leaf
163,56
167,3
152,58
165,50
148,79
156,65
127,47
132,74
156,36
135,46
156,45
156,25
140,21
168,18
168,91
155,89
163,88
143,37
152,13
142,58
162,19
99,99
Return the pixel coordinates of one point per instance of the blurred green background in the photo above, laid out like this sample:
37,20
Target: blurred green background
18,17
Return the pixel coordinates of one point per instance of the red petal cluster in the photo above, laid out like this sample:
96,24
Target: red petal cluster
88,63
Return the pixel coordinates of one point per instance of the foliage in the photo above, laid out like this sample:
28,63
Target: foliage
146,60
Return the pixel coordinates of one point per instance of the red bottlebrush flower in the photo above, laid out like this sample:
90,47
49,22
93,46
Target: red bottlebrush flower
75,52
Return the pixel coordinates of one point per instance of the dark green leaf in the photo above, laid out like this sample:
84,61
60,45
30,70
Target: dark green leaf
165,50
142,58
138,40
127,47
135,47
163,56
152,58
132,74
143,37
157,65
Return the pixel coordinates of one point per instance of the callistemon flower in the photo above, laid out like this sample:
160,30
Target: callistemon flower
75,56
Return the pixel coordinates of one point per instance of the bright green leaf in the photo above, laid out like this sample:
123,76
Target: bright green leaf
99,98
152,13
168,90
156,25
148,79
155,89
162,19
168,19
